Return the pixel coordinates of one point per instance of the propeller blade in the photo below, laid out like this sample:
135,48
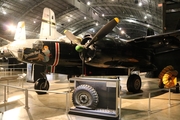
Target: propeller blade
104,30
72,37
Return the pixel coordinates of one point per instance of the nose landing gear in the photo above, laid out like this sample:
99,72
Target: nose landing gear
41,84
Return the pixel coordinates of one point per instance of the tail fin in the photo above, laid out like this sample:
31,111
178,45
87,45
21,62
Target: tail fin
20,31
48,25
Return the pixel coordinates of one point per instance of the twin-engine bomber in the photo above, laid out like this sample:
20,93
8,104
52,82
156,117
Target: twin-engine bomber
97,51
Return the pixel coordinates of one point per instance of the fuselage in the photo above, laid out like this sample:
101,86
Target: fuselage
105,53
45,52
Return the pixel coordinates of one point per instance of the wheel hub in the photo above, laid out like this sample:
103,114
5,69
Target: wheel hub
136,83
83,99
43,86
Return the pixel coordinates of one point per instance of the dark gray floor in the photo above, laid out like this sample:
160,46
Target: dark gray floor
53,106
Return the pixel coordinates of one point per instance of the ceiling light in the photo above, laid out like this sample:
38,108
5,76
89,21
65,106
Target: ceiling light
145,17
12,28
122,32
34,21
69,20
97,24
140,4
88,3
102,15
3,11
85,17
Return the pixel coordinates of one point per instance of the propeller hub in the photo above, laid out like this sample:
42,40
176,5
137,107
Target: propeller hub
87,54
79,48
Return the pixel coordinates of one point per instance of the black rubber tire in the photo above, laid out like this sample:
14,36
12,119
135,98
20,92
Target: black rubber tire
85,96
40,85
134,83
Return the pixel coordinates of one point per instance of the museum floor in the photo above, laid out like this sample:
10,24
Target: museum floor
54,106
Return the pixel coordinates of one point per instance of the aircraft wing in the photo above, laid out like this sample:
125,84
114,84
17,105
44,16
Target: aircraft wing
4,52
159,43
8,41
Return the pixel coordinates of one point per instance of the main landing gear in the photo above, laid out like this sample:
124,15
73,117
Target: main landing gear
134,81
41,84
133,85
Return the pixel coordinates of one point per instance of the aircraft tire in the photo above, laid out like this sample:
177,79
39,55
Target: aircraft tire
85,96
134,83
40,85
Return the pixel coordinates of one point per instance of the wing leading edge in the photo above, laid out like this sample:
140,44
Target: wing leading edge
159,43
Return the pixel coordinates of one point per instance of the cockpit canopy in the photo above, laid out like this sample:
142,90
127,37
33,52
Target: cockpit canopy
38,44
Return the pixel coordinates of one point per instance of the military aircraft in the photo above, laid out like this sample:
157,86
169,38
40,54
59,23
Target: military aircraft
98,52
51,49
139,54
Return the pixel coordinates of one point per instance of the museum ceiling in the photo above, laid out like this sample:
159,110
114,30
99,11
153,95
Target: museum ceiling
85,16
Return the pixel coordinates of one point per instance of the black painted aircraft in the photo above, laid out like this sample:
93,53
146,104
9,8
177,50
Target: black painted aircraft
137,54
98,52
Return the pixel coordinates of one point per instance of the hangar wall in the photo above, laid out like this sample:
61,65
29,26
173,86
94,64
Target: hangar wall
171,17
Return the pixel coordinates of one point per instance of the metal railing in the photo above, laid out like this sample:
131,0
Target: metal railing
149,98
12,71
15,72
26,95
6,87
6,73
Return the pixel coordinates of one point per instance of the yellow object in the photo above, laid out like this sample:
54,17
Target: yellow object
65,31
166,69
117,19
169,80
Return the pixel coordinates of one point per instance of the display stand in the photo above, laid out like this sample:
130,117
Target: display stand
107,89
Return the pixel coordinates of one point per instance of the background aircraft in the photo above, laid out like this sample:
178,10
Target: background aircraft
98,52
